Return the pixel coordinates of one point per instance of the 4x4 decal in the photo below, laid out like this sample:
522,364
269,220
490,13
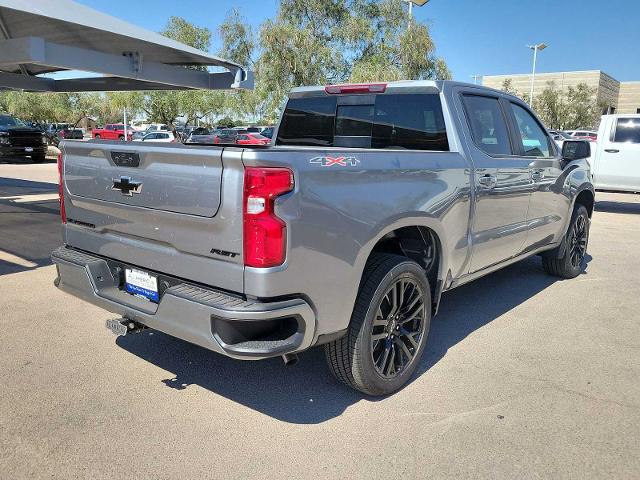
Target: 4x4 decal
330,161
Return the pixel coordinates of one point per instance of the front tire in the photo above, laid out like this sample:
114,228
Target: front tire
97,137
577,237
388,330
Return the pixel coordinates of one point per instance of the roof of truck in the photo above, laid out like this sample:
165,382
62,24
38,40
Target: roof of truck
408,84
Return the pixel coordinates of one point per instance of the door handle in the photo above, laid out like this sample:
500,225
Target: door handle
611,150
488,181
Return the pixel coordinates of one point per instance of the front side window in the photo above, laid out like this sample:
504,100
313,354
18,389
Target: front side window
488,125
535,142
627,130
8,122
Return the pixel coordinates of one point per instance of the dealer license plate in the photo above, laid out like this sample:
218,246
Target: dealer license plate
141,283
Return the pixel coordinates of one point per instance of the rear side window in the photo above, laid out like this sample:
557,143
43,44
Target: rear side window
627,130
488,125
308,121
409,121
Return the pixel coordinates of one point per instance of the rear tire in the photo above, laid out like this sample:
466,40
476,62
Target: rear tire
121,138
576,240
388,330
97,137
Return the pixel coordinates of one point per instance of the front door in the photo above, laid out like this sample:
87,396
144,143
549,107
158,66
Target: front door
502,182
549,205
618,162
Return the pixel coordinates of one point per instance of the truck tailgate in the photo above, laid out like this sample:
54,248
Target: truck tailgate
182,184
158,207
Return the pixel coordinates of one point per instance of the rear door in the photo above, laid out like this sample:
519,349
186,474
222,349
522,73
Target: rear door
618,162
502,181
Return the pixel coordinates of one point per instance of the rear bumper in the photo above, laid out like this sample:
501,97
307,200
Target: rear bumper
227,324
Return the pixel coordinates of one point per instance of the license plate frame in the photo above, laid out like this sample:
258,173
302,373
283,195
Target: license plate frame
140,283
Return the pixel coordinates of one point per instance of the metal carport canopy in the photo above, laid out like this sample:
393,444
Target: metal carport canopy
45,36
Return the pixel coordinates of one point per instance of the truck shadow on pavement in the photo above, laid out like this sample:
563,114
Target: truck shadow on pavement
618,207
29,224
307,393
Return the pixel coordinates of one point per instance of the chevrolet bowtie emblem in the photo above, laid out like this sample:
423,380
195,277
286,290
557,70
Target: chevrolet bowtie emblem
127,186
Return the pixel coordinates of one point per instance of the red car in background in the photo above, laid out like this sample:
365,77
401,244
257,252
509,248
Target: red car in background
252,139
112,131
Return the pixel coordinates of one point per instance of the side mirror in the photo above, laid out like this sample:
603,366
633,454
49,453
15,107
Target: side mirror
576,150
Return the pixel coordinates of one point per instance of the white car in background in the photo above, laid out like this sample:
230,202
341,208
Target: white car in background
615,157
583,134
162,137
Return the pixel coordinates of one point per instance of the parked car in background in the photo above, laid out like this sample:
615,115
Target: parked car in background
374,200
156,127
163,137
616,157
112,131
267,132
583,134
228,135
209,139
559,137
59,131
19,140
252,139
137,135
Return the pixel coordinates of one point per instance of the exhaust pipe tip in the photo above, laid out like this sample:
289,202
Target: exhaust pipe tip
290,359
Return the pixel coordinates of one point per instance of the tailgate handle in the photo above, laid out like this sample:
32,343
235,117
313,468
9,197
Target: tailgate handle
126,159
611,150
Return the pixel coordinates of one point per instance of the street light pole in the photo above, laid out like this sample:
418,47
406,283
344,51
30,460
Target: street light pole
535,48
411,2
475,78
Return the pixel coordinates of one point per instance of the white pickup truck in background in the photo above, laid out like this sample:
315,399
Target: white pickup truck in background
615,159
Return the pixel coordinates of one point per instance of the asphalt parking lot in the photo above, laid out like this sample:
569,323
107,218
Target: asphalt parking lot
524,377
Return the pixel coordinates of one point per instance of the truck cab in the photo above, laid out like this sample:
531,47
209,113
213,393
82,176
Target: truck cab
616,159
372,200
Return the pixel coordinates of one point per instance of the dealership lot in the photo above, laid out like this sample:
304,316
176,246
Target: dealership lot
524,376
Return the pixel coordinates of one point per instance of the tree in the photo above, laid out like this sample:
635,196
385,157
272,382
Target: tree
167,106
584,109
507,86
314,42
552,108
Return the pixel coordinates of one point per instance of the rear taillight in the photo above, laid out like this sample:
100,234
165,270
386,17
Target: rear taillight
356,88
265,235
63,213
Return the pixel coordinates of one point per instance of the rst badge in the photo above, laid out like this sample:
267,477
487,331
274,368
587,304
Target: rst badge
339,161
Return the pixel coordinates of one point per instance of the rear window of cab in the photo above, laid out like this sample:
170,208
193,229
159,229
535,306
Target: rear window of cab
412,121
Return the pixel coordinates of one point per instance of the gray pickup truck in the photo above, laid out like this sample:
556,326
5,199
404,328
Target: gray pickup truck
373,201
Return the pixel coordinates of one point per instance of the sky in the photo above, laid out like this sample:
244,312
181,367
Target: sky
485,37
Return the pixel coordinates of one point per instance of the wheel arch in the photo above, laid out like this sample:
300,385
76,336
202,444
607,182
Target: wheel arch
587,198
396,236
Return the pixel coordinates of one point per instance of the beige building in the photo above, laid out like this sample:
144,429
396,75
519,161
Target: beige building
615,96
